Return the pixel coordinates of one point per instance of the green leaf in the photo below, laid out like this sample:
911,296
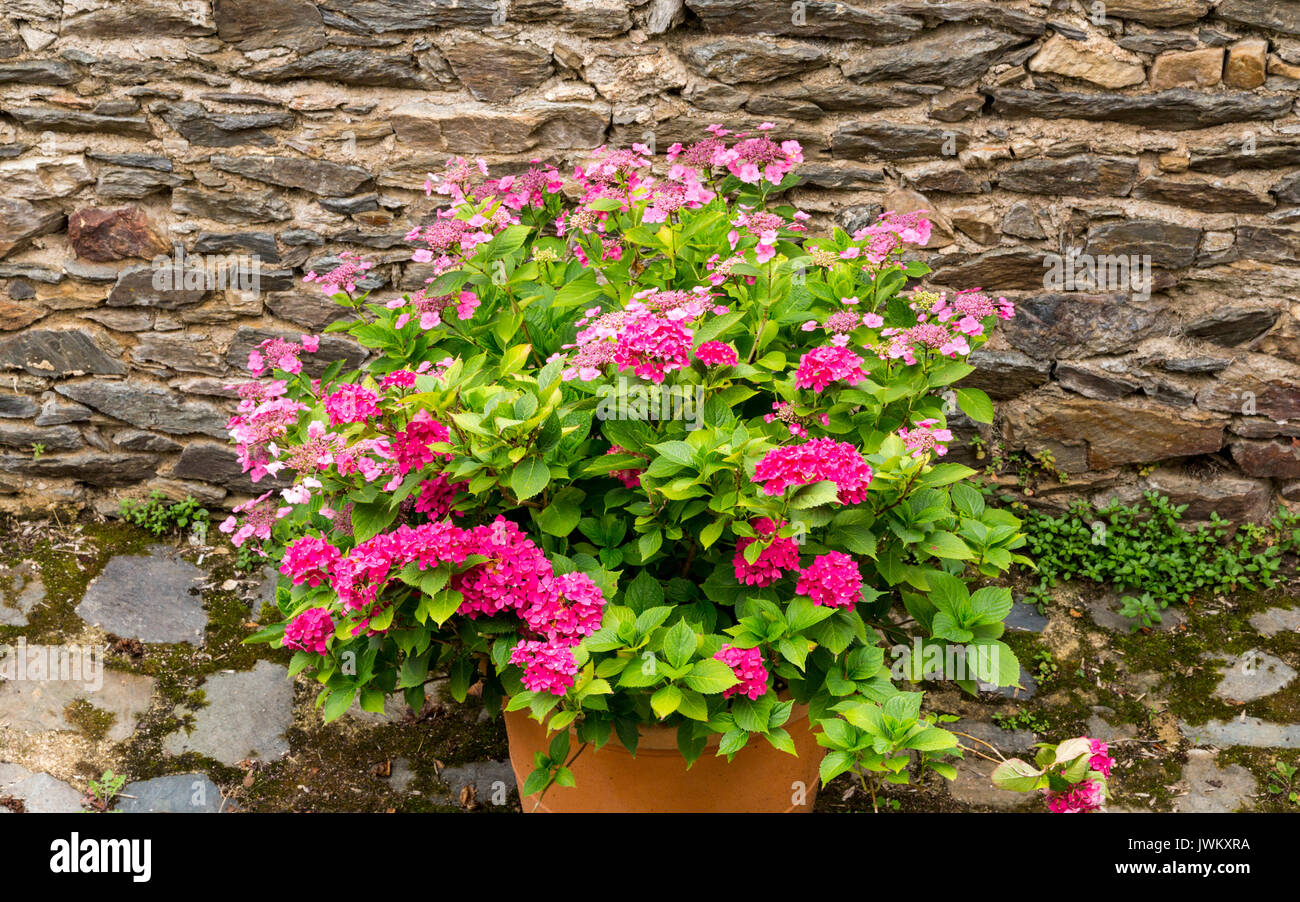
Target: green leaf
665,701
677,452
529,477
710,677
370,519
814,495
680,643
975,404
338,702
947,545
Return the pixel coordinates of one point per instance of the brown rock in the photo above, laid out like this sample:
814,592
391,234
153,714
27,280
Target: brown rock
1233,498
1278,459
20,222
1097,60
1158,12
479,128
254,24
106,235
14,316
1282,69
1187,69
1199,194
1110,433
495,71
1247,64
1256,385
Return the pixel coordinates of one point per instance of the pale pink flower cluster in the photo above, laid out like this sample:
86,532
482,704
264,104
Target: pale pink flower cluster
639,338
925,438
747,665
785,412
781,554
813,461
750,159
280,354
260,516
344,277
832,580
261,418
429,308
821,366
888,235
903,344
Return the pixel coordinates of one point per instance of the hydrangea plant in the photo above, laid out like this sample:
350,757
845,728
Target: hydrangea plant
641,451
1072,775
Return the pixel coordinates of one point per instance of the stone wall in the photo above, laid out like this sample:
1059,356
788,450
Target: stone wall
293,130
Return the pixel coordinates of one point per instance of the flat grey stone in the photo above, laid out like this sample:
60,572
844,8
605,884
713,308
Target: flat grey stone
42,794
1012,742
246,716
40,705
175,794
1212,789
1028,687
1252,675
1247,731
21,590
1105,613
493,781
1276,620
974,786
1025,618
150,597
1100,727
402,776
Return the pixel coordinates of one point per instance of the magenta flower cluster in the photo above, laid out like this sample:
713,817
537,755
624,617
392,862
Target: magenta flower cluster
747,665
816,460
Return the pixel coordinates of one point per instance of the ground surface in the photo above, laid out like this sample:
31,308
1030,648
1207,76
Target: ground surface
1198,713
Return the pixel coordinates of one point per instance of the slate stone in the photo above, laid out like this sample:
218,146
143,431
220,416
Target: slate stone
1025,618
1270,244
1277,15
43,794
259,244
1180,108
38,72
41,119
739,59
1247,731
1026,689
59,353
1232,497
1214,789
950,57
1158,12
1010,269
1276,620
138,160
351,67
219,464
21,590
1198,194
17,406
135,287
495,71
149,407
316,176
173,794
151,597
895,141
1006,374
256,24
1253,675
141,440
131,184
1278,459
249,207
20,222
98,468
246,716
823,19
199,125
1084,175
475,128
1229,326
36,705
381,16
974,786
53,438
1170,246
488,778
1021,222
104,236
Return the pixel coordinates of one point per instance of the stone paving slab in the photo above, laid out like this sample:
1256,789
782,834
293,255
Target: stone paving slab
1026,618
489,778
40,793
1276,620
152,597
1212,789
21,590
175,794
246,716
38,706
1253,675
1249,731
1105,613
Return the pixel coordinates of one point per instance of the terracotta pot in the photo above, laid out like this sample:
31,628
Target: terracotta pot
758,779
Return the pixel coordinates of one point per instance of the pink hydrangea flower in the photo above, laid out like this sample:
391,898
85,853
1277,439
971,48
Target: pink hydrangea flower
781,554
747,665
821,366
832,580
310,631
813,461
309,560
351,404
717,353
1100,760
925,438
548,666
1080,798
